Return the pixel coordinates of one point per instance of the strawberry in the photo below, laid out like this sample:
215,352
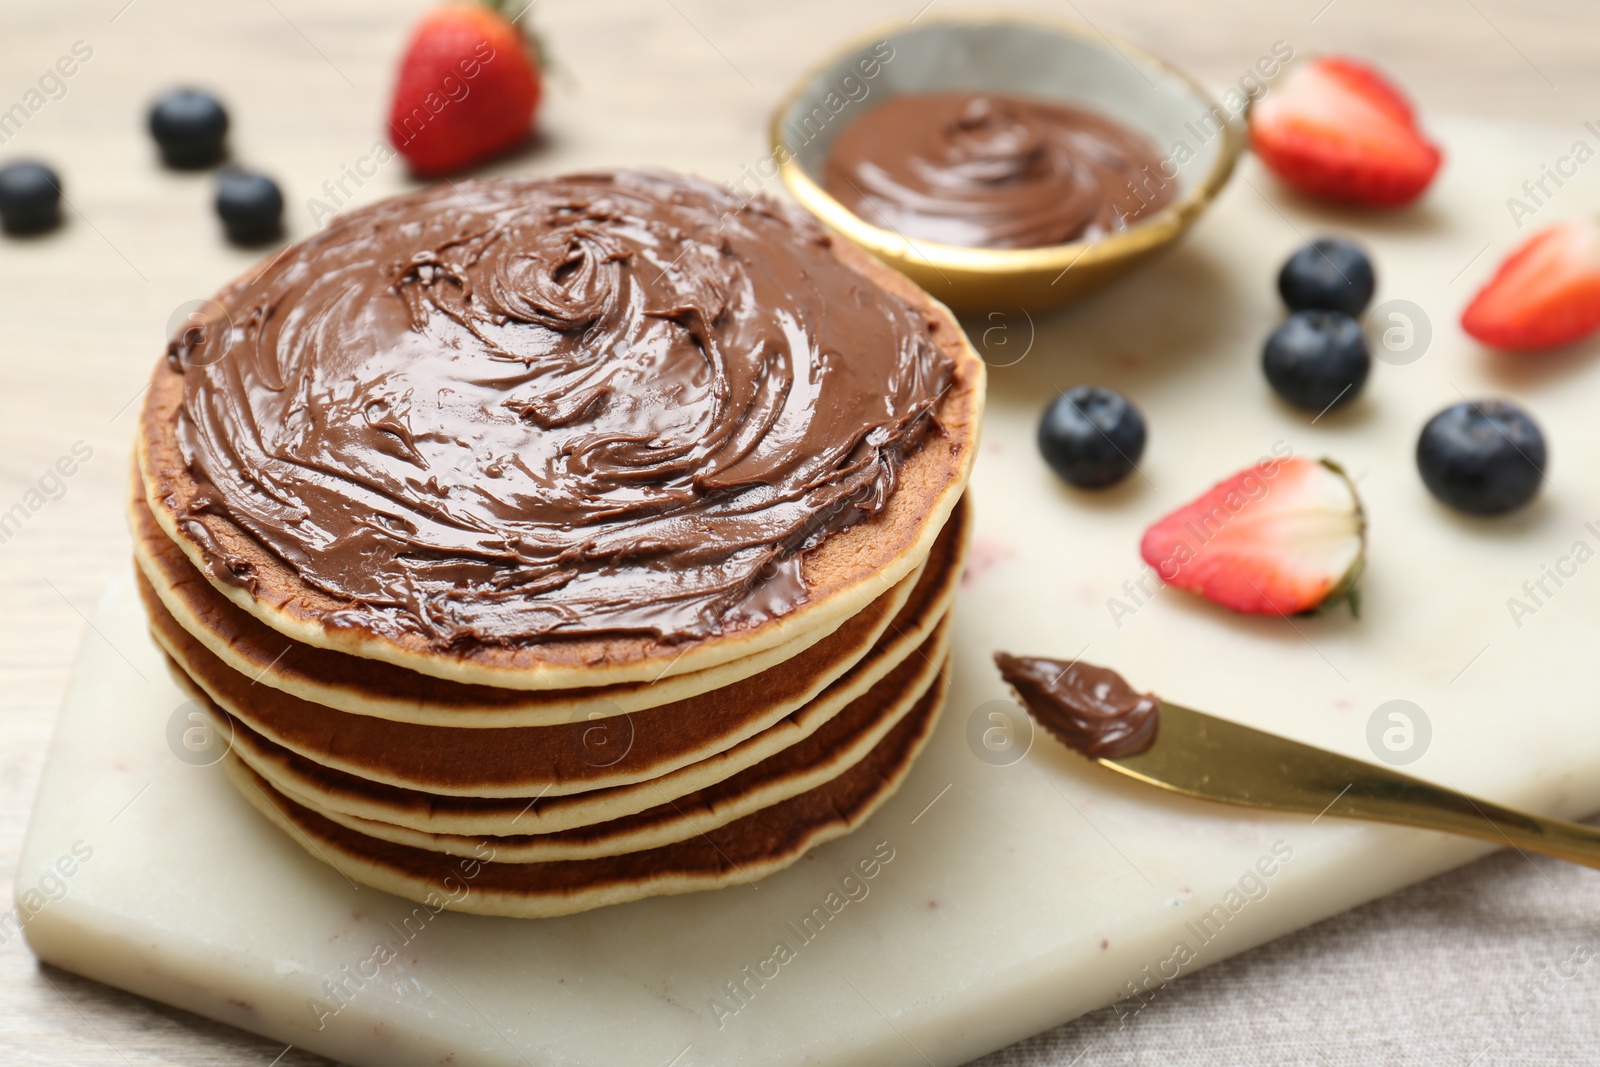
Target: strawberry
467,89
1338,129
1279,538
1546,293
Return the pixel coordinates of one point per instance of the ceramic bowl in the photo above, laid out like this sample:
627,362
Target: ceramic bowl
1198,140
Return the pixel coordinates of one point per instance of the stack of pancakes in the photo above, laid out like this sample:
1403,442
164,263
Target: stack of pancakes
431,740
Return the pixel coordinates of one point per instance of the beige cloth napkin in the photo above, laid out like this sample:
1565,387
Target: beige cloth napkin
1495,963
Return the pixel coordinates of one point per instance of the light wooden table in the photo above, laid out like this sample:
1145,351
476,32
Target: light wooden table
683,83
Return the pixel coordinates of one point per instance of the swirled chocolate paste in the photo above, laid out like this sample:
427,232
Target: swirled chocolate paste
992,170
1091,710
608,403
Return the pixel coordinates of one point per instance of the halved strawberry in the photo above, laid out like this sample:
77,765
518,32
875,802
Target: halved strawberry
467,89
1279,538
1546,293
1338,129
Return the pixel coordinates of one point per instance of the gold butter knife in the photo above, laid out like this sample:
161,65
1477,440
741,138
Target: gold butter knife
1094,712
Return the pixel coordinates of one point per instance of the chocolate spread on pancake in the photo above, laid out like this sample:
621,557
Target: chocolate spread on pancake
497,411
1091,710
992,170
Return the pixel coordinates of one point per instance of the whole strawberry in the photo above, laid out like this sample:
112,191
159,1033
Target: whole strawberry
468,89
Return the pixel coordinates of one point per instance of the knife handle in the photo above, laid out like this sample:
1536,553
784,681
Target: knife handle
1394,798
1202,756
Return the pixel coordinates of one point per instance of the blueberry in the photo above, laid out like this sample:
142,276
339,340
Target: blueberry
1329,273
30,197
1485,457
250,205
1091,436
1317,359
189,125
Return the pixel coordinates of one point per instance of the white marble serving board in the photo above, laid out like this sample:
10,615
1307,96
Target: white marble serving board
1019,895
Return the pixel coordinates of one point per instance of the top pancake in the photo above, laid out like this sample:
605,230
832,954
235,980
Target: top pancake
841,574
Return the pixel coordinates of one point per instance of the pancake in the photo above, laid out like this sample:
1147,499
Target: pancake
846,569
574,757
330,790
369,687
739,852
550,760
839,744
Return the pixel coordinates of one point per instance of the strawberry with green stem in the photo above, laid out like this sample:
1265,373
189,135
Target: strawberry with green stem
1281,538
468,88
